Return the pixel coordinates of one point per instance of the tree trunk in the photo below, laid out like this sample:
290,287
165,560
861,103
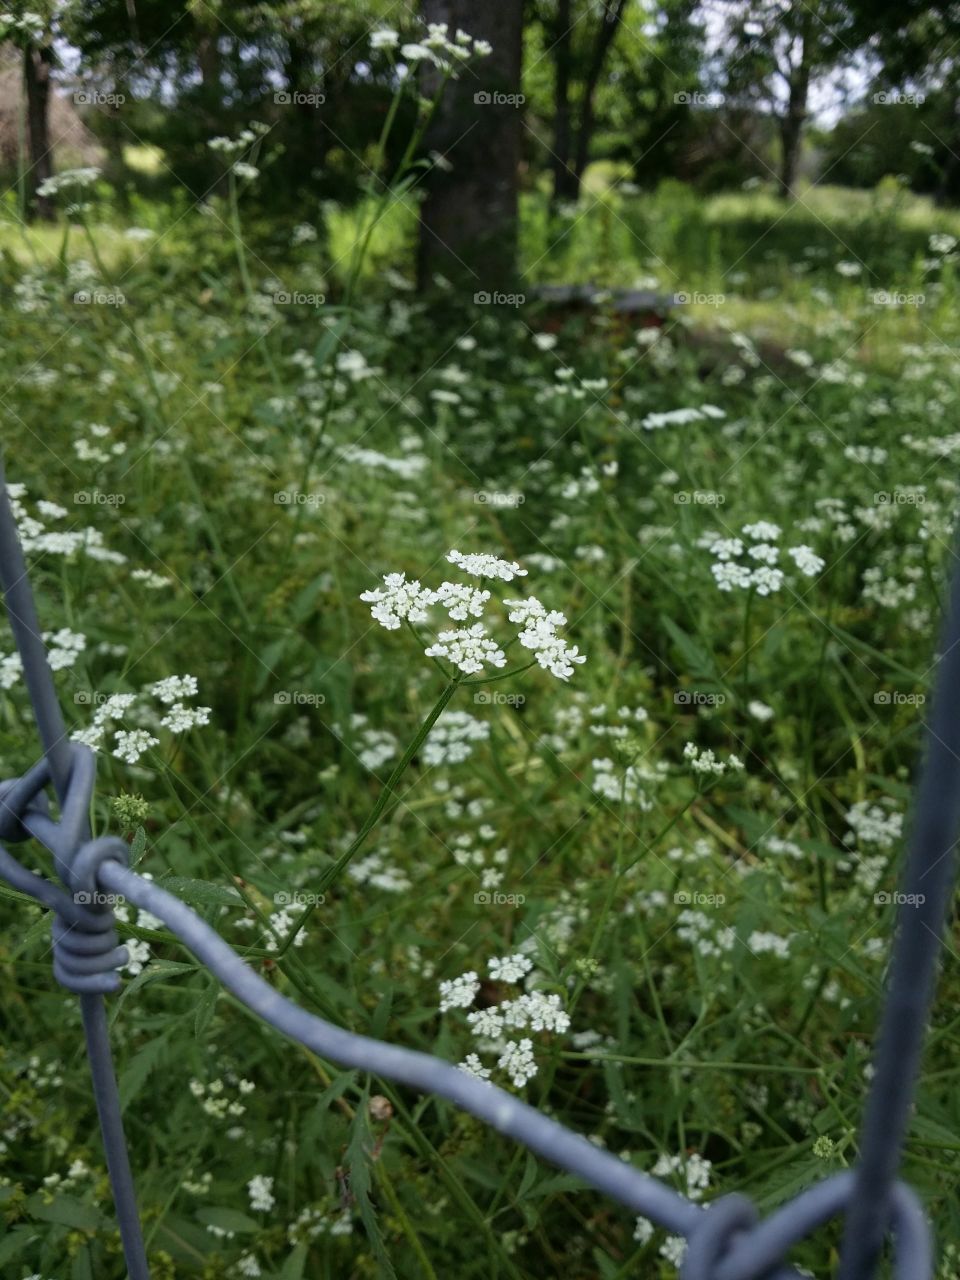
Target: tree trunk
791,124
468,220
37,65
949,181
565,184
609,25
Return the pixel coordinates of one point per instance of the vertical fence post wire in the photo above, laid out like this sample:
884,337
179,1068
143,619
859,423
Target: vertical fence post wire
927,884
56,747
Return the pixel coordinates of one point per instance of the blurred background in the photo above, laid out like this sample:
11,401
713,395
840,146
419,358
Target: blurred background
618,142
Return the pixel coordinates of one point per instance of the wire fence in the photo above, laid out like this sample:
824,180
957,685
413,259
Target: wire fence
727,1240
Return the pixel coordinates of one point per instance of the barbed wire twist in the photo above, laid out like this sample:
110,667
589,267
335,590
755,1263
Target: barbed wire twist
727,1240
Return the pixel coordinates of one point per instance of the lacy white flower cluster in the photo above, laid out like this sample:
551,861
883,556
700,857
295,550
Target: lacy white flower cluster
70,180
628,784
377,871
694,1172
451,739
471,649
753,559
436,47
35,536
260,1189
681,417
138,950
872,825
706,762
216,1100
131,743
230,147
63,649
94,447
312,1222
531,1010
372,747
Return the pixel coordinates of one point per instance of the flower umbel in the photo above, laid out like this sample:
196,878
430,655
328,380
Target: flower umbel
474,648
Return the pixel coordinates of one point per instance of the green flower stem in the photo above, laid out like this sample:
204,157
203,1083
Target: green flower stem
158,413
689,1063
506,675
333,873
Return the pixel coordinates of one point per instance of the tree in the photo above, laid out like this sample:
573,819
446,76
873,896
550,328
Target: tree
469,217
31,30
774,50
578,65
192,71
918,50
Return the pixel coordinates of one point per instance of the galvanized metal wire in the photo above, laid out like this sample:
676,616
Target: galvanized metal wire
726,1240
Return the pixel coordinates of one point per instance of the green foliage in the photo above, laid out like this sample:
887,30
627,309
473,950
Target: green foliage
717,938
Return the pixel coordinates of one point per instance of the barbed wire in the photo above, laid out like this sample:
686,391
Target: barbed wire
726,1240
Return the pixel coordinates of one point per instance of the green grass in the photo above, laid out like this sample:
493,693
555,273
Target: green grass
688,1034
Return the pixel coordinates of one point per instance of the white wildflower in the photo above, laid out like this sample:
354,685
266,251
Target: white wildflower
260,1189
132,743
398,600
517,1060
486,566
468,649
459,993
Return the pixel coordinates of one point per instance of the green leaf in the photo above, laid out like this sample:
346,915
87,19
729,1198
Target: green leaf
205,1007
156,970
698,660
136,1073
304,603
358,1163
293,1267
227,1220
555,1185
197,893
15,1240
81,1268
138,845
529,1176
271,661
65,1212
381,1015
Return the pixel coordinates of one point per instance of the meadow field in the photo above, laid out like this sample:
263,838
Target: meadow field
536,686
